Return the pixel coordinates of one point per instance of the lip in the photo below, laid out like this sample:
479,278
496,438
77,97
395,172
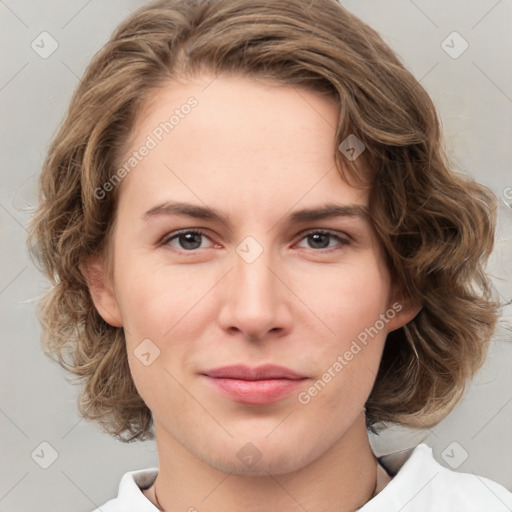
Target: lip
258,386
264,372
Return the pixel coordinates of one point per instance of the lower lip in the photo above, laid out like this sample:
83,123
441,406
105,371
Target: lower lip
257,392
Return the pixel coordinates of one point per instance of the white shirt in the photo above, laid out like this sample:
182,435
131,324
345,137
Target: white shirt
420,485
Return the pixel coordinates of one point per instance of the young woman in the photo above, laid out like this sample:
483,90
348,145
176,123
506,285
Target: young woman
258,253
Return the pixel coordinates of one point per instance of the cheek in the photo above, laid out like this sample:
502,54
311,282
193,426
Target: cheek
347,299
157,307
161,304
350,303
153,299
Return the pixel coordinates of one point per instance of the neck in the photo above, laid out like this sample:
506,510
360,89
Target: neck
341,480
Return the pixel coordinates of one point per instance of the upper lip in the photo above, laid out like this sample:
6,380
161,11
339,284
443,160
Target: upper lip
243,372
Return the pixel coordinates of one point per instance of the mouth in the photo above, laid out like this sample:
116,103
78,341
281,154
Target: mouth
257,386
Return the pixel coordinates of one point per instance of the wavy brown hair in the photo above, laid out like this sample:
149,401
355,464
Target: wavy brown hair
436,227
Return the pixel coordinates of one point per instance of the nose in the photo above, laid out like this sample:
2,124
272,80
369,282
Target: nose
254,299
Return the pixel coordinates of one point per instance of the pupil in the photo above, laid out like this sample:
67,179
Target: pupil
192,240
318,236
188,239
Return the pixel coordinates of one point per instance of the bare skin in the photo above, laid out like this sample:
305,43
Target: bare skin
256,153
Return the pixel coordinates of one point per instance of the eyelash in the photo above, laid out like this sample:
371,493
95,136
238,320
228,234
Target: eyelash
343,241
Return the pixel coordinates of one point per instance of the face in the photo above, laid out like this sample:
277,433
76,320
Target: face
252,327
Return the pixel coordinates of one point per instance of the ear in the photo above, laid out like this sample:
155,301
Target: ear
404,312
95,272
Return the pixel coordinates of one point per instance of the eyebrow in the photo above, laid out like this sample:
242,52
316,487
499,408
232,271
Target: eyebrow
327,211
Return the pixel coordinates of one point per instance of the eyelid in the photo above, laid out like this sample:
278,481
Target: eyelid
342,238
174,234
332,232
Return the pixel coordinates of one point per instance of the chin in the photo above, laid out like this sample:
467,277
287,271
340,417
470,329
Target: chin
261,458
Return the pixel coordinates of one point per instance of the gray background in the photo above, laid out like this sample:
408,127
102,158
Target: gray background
474,95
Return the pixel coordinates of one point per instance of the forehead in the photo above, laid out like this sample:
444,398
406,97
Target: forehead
259,143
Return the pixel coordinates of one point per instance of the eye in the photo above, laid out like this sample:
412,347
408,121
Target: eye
187,239
320,239
191,239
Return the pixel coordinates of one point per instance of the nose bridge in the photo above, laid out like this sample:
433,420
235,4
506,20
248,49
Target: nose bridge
252,299
252,277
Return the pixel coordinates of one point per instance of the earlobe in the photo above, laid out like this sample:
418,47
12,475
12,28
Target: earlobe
405,312
101,289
